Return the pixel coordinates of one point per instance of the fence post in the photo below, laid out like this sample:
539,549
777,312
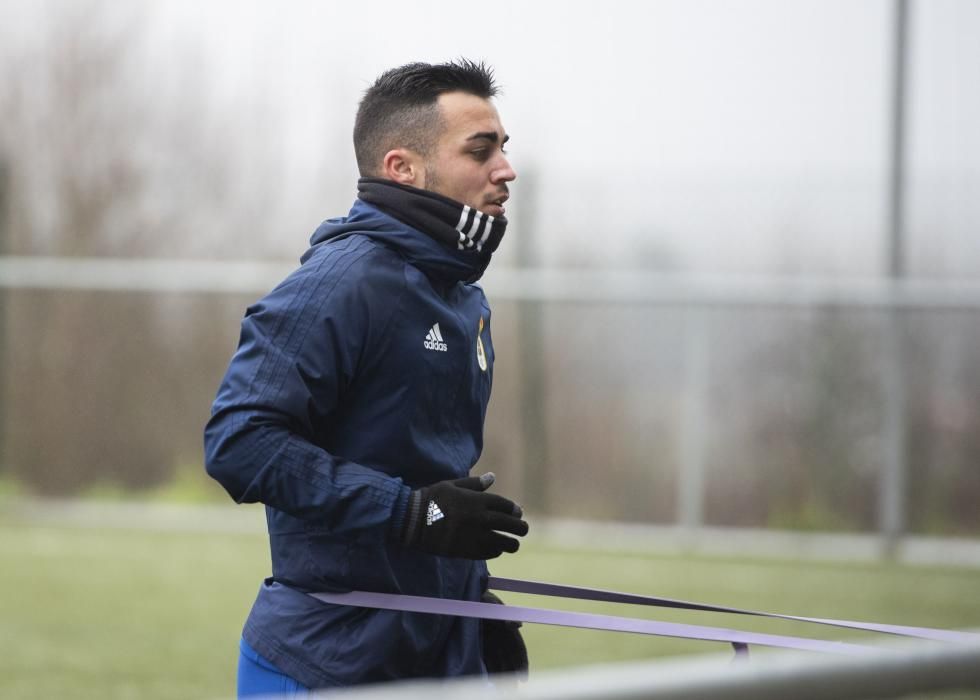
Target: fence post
4,334
690,478
892,515
892,485
530,320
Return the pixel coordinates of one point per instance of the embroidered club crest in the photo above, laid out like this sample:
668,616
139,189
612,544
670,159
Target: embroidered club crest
481,356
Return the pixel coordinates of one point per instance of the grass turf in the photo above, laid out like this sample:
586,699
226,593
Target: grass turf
113,613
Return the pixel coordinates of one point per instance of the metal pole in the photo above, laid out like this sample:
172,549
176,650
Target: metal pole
4,333
892,504
897,146
690,479
530,320
888,672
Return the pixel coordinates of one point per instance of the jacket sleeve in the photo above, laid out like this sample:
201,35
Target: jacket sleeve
299,350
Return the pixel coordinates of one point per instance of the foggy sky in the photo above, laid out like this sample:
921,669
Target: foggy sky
708,135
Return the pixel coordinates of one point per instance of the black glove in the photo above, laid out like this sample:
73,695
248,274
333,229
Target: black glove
504,650
457,519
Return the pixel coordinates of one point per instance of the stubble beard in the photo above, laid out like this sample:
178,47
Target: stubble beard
433,182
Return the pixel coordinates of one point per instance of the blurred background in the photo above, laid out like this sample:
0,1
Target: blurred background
740,286
739,295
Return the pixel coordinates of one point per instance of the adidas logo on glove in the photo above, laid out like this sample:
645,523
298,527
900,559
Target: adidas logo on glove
433,514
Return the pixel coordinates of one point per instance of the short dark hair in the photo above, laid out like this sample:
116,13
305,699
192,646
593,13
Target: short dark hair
400,111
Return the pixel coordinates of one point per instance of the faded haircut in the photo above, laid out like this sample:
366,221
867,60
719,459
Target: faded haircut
400,110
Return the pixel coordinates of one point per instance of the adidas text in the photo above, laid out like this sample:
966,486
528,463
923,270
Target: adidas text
434,341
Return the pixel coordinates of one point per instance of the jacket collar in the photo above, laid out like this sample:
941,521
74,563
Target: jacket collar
450,222
433,257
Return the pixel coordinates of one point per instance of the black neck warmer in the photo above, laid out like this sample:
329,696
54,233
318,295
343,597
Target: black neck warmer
456,225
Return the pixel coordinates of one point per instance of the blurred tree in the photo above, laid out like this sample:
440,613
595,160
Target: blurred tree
99,166
802,440
944,435
74,130
805,415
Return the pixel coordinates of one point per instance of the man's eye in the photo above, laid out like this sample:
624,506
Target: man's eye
480,153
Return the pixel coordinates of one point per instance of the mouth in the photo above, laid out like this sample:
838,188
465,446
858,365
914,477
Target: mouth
495,206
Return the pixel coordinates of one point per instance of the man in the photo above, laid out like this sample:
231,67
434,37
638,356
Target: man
355,403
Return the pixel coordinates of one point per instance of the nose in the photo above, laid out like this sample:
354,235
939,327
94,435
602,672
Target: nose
503,172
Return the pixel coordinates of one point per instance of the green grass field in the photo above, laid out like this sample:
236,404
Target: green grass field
114,613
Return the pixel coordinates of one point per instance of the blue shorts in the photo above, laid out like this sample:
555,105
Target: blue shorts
257,676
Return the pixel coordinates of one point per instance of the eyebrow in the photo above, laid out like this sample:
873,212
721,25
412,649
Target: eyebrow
491,136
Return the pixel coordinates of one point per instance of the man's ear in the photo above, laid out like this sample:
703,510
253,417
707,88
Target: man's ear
404,167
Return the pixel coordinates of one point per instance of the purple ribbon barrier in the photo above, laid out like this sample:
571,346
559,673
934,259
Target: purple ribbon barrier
737,638
493,611
561,591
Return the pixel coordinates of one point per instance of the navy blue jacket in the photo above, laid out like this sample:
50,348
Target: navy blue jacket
339,401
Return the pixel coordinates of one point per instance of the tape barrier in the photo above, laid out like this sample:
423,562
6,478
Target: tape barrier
737,638
579,593
544,616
